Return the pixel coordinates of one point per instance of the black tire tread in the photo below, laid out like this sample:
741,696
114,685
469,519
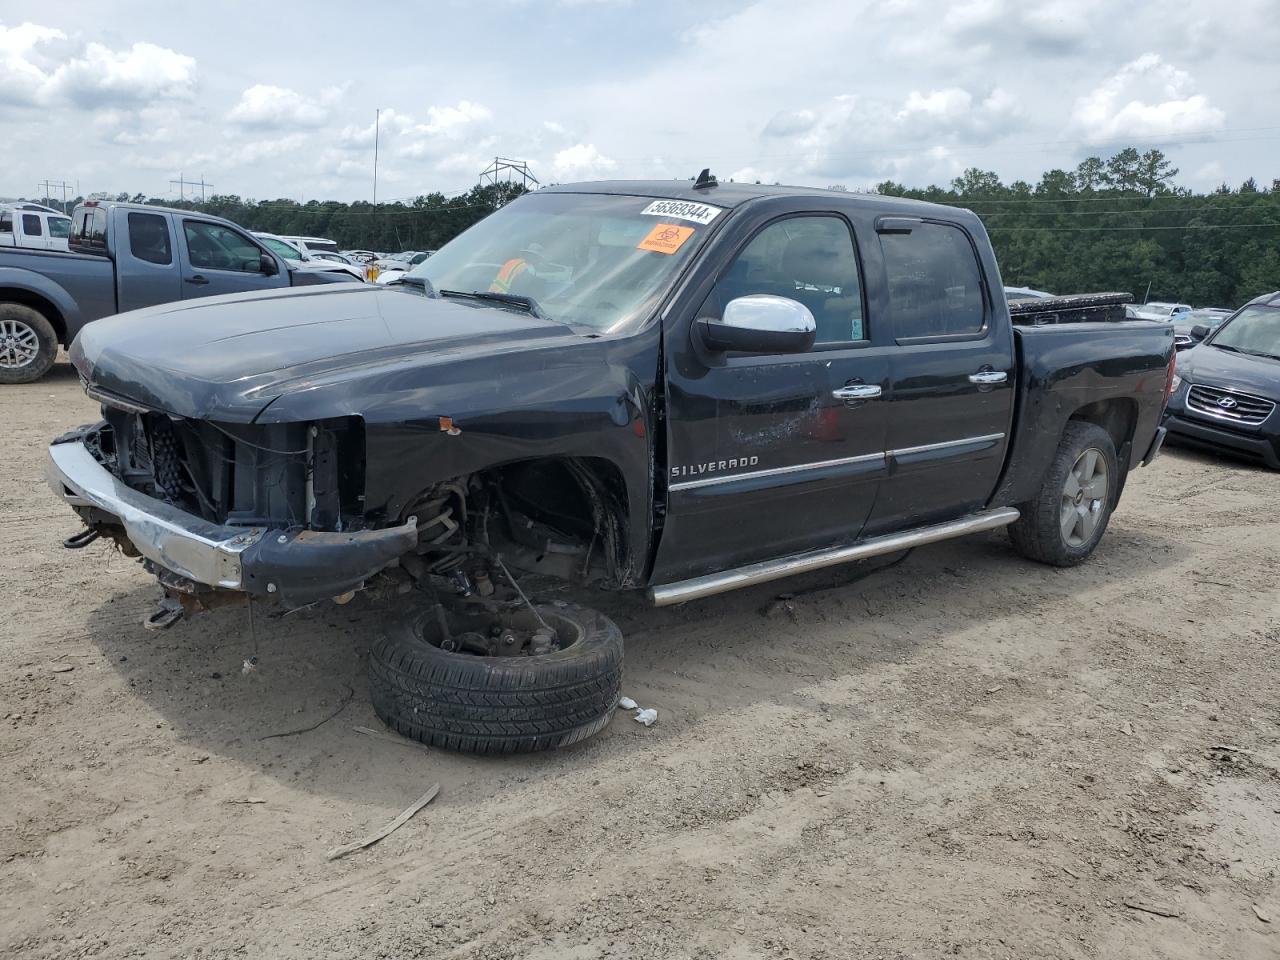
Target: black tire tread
1037,534
493,705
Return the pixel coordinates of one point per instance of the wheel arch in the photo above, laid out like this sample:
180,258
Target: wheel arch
39,303
1118,416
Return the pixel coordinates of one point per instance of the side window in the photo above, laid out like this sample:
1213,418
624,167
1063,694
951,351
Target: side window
59,227
31,225
89,227
6,221
149,238
935,285
212,246
810,259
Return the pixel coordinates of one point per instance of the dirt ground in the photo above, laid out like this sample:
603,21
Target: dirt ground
963,755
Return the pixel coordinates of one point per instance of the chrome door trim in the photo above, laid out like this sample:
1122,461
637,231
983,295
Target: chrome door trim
945,445
713,583
774,472
989,376
857,391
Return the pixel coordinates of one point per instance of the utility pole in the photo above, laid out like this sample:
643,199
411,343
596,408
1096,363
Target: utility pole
377,128
181,183
48,186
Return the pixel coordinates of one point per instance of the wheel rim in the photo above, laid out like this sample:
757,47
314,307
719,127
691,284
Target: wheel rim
1084,495
19,345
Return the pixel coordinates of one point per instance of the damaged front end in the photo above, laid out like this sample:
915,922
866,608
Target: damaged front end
218,510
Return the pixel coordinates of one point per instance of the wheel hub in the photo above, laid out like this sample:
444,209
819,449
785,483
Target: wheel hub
1083,492
19,344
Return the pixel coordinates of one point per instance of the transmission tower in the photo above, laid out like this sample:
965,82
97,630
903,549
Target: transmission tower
504,170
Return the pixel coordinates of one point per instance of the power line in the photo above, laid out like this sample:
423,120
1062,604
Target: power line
48,185
182,184
1189,226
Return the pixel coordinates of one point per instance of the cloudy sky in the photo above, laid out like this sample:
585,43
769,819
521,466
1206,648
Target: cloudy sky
277,100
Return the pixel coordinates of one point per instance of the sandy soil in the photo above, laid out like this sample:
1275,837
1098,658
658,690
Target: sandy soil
963,755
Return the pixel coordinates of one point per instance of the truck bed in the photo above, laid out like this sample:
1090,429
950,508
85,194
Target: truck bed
1078,308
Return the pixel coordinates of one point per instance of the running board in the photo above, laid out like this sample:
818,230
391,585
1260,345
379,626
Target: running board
763,572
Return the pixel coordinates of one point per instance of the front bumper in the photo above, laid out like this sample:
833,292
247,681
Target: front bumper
1198,433
295,566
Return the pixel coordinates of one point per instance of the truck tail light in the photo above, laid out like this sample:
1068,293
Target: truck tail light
1169,374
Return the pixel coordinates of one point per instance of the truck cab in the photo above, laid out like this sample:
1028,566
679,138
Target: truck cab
33,226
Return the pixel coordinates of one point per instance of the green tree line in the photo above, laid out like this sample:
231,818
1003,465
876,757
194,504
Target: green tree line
1122,224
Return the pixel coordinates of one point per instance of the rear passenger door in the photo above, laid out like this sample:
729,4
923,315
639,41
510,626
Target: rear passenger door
218,259
951,374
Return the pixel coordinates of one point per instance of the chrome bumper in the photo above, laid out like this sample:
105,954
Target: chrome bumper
189,546
295,566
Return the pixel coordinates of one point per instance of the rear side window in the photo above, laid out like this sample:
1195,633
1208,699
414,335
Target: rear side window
807,258
6,222
211,246
89,227
31,225
935,284
149,238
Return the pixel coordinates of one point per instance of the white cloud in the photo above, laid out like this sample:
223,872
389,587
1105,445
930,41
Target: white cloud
453,121
142,74
263,106
1144,100
21,74
582,161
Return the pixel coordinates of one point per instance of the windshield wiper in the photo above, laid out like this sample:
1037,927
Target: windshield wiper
527,304
422,283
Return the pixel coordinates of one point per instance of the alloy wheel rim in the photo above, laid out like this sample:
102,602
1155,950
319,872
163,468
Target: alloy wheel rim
1083,496
19,345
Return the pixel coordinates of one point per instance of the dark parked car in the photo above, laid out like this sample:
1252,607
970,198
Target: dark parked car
124,256
1227,386
677,387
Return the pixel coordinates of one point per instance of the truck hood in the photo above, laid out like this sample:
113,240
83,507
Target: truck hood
1212,367
227,358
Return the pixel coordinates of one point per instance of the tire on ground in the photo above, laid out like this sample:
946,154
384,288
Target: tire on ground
1037,533
478,704
48,339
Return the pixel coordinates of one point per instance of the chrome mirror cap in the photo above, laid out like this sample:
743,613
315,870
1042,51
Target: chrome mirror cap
760,323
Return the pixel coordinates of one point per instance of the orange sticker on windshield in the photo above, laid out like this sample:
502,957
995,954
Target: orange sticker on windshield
665,238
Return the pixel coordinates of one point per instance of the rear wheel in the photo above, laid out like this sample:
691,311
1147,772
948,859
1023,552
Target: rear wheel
1066,520
513,681
28,344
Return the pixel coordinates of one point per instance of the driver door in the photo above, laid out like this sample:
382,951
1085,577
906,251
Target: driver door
217,259
774,454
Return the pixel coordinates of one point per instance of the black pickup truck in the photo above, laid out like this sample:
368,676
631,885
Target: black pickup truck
673,386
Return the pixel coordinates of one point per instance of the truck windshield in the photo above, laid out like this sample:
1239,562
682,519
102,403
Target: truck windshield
1255,330
281,248
585,259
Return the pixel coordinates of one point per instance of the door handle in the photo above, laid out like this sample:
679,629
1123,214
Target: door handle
988,376
197,279
857,391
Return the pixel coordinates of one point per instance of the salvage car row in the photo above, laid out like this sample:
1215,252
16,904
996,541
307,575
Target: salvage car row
675,387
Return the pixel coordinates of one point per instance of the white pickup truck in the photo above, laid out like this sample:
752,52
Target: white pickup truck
33,226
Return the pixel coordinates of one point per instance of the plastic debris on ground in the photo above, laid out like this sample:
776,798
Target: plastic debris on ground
647,717
626,703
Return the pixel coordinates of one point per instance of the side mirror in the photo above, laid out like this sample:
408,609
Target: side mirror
1199,331
760,323
269,265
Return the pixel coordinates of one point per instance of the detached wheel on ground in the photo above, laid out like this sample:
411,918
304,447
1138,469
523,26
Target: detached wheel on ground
1063,524
28,345
513,682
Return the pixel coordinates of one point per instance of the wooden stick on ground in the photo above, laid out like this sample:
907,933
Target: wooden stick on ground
390,828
